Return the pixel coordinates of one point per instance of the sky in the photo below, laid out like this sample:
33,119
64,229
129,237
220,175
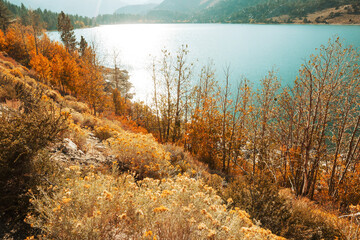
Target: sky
88,8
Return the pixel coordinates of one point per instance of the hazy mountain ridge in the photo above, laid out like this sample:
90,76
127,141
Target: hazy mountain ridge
239,11
169,8
138,9
185,5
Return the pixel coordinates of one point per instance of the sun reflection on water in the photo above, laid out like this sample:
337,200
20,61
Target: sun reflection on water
142,44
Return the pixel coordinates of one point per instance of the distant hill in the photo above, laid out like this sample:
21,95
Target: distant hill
186,5
221,11
249,11
262,11
140,9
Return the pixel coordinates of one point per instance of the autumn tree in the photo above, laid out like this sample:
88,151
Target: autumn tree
42,66
2,40
92,81
182,75
166,94
172,89
156,101
238,123
66,30
225,105
37,27
261,123
17,45
320,125
203,134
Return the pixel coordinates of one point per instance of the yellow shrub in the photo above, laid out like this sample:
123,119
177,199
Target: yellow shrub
16,72
78,106
185,163
78,136
100,206
103,133
77,118
141,153
89,121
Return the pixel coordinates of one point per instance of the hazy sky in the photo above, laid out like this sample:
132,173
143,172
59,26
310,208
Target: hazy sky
81,7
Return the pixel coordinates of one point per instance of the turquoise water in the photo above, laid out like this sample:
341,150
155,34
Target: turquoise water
250,50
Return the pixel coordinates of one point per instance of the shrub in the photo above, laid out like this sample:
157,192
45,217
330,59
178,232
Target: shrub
282,213
184,162
7,89
103,133
78,106
23,133
89,121
16,72
70,98
142,154
54,95
91,205
77,118
78,135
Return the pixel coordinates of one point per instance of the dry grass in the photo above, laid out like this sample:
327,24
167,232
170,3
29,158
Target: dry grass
308,212
339,16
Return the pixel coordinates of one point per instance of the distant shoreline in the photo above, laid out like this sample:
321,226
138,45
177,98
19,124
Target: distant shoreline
225,23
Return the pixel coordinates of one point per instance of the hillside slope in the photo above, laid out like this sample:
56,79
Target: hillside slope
266,10
99,180
346,14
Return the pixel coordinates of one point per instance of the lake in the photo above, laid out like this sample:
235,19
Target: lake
250,50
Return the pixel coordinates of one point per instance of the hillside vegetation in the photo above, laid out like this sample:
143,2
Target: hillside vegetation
267,11
80,160
137,189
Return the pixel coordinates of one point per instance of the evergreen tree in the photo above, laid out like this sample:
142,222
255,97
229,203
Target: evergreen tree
66,30
4,16
83,46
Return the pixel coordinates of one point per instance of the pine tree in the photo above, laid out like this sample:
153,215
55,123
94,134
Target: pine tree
83,46
67,32
5,16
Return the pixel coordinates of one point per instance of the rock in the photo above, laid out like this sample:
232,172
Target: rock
70,144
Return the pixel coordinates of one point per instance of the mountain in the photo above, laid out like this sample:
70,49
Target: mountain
262,11
223,9
90,8
186,6
140,9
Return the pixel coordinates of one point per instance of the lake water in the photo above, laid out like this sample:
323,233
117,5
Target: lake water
250,50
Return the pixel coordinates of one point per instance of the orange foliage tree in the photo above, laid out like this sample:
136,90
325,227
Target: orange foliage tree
2,40
91,88
16,43
42,66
